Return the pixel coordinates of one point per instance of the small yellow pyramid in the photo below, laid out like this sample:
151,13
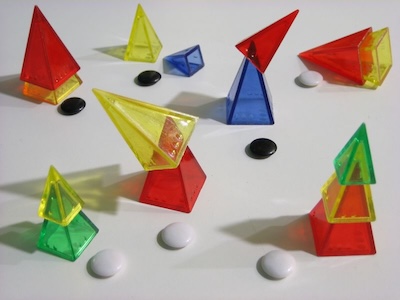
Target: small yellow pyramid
144,44
157,136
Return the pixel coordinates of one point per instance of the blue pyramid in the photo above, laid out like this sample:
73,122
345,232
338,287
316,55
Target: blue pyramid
249,101
185,62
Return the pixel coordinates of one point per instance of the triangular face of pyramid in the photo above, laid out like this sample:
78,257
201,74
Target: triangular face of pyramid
156,135
249,101
341,56
177,188
47,63
69,241
59,203
347,203
353,164
185,62
261,47
144,44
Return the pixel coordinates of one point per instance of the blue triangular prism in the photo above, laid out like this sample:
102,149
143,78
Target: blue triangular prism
185,62
249,100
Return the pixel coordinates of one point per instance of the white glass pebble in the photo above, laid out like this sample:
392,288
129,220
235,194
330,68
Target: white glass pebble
107,263
177,235
278,264
310,78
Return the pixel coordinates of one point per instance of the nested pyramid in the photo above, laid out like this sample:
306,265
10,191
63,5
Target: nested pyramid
249,101
144,44
184,63
66,230
156,135
49,70
177,188
353,164
261,47
59,203
363,57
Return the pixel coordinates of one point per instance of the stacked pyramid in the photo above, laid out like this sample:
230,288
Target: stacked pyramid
159,139
341,221
49,70
363,58
66,230
249,100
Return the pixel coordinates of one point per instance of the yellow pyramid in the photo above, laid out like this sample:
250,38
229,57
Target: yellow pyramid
60,203
143,44
157,136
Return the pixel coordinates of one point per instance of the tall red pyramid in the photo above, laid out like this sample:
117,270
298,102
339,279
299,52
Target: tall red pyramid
261,47
47,63
177,188
341,56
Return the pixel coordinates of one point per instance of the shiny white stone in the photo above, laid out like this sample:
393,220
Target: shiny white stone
177,235
278,264
310,78
107,263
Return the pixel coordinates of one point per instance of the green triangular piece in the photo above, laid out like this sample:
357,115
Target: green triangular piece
353,164
143,44
156,135
67,241
59,203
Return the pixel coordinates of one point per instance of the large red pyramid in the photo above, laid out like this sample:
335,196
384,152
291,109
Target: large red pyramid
47,62
261,47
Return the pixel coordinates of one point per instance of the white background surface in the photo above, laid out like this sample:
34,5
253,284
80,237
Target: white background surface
247,207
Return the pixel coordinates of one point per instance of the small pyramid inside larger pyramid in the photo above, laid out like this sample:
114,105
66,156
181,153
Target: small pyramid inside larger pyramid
353,164
60,203
261,47
144,44
157,136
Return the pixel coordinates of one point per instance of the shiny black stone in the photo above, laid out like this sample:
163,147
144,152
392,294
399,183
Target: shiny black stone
148,78
72,106
262,148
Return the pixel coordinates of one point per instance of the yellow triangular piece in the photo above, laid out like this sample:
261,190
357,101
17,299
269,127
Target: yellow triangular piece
144,44
60,203
156,135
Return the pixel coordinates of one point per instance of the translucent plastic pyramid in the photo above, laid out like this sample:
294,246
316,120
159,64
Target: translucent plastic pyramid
261,47
249,101
157,136
49,70
184,63
144,44
353,164
60,203
177,188
363,57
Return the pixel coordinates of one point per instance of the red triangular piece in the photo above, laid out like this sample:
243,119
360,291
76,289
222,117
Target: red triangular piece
261,47
340,56
47,61
177,188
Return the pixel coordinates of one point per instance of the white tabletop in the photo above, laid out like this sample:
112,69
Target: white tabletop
247,207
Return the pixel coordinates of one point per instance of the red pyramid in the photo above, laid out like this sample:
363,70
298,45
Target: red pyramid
47,61
261,47
177,188
341,56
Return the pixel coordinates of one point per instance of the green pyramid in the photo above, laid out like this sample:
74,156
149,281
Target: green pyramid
353,164
59,203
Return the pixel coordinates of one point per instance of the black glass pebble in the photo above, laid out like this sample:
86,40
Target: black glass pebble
72,106
262,148
148,78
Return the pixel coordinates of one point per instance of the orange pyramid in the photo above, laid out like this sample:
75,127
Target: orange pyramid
341,56
47,63
261,47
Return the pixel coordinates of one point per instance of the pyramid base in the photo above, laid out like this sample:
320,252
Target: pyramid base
175,189
52,96
69,241
142,53
340,239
